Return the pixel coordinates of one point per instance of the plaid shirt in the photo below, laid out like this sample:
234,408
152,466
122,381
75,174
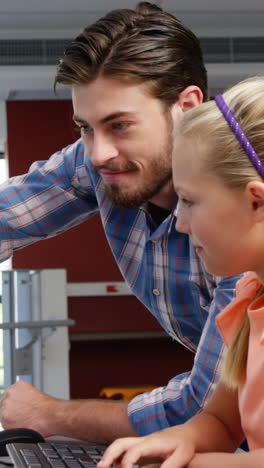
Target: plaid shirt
158,263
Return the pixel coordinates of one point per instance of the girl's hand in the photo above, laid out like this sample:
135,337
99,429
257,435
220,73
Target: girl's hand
171,448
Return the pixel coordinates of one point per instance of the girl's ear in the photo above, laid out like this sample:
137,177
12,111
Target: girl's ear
255,191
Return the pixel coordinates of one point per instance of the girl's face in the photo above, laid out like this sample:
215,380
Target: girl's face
218,219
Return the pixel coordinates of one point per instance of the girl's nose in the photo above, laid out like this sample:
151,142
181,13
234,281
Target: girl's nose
182,222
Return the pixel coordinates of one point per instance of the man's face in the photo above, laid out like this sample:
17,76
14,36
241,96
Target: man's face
128,137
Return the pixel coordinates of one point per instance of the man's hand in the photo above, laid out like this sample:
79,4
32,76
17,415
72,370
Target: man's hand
24,406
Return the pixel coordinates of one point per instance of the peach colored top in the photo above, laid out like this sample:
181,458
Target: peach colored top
251,394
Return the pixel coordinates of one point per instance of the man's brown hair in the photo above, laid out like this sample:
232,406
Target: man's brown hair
144,45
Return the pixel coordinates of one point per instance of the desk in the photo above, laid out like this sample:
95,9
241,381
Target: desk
4,459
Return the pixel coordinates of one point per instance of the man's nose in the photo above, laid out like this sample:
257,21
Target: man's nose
101,151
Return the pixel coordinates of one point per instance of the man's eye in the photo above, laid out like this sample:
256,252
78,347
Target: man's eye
85,129
120,125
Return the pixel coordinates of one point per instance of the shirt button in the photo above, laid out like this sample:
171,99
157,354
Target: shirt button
156,292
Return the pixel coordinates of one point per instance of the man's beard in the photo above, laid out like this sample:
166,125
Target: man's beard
159,173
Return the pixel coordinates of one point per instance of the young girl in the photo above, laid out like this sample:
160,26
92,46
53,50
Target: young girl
218,173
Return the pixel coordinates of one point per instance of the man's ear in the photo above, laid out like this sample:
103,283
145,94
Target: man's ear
255,192
190,97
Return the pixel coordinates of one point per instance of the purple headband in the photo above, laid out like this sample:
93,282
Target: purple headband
241,137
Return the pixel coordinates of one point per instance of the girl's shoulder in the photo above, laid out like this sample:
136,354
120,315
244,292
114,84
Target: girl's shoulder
230,319
248,285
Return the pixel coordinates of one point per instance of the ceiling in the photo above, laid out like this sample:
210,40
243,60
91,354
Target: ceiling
64,18
31,19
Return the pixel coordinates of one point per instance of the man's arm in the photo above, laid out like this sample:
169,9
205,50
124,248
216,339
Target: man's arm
216,429
52,197
163,407
187,393
99,421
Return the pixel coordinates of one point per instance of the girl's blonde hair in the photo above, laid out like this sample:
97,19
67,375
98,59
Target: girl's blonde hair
225,158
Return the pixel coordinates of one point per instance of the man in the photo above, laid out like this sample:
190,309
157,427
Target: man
133,74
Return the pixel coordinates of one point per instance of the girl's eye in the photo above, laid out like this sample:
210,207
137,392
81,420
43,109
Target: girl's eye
186,202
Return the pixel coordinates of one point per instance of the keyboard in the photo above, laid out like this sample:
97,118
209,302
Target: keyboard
55,454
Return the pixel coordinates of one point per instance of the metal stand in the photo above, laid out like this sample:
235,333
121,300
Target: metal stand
32,350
